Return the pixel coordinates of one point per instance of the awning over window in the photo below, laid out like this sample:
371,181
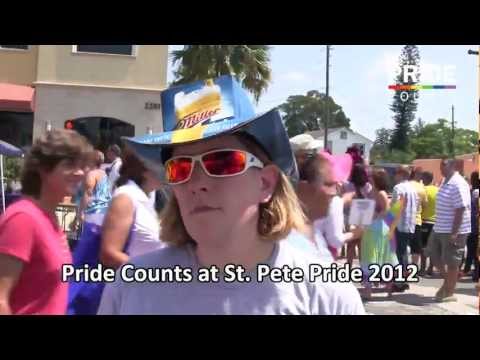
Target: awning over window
16,98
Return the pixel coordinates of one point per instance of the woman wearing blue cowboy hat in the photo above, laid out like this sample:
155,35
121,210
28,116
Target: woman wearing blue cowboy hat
232,204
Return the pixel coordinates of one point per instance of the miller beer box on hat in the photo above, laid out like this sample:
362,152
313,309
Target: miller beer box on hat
196,104
209,108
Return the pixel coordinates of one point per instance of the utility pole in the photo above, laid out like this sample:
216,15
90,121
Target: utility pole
474,52
325,141
452,146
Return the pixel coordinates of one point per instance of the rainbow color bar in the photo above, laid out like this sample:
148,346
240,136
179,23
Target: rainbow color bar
420,87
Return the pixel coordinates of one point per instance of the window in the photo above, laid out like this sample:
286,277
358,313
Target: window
16,128
101,131
14,47
105,49
343,135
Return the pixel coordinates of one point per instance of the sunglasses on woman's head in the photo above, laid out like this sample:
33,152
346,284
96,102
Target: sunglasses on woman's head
215,163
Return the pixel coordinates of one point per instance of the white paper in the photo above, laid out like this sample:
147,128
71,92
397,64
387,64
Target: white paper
361,212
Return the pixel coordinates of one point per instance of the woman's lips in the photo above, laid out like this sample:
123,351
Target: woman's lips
202,210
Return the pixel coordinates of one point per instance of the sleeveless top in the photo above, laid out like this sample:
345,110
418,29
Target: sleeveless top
101,197
145,236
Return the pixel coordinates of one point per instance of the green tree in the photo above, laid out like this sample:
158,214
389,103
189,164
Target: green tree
250,64
418,127
428,141
400,157
381,144
383,137
404,111
465,141
12,168
432,141
307,113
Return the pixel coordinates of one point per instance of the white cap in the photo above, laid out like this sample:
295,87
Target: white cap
305,142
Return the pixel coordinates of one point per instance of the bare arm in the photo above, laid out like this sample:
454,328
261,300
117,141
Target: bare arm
10,270
347,198
457,220
89,186
461,200
115,231
383,202
335,226
396,220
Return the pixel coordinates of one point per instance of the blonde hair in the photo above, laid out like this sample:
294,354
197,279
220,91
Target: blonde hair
277,218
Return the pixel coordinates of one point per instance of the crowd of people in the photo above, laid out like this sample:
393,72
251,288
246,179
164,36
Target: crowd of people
241,193
436,223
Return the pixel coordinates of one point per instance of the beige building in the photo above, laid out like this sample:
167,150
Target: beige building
102,91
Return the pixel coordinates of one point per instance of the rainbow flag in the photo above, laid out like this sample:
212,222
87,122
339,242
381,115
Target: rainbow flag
394,214
399,87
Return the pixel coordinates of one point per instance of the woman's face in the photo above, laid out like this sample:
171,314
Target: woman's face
213,209
64,178
318,192
327,187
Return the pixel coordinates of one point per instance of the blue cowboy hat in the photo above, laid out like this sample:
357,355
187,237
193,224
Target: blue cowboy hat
206,109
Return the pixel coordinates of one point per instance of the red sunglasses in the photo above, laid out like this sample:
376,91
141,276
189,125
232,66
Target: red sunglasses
216,163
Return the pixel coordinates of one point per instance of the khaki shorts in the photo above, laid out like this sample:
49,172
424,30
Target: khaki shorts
443,251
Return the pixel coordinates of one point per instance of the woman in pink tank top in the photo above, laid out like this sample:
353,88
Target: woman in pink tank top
33,247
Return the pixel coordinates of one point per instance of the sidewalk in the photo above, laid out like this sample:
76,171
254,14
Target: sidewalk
419,300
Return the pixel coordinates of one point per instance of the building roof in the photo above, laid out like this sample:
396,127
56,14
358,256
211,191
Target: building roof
320,133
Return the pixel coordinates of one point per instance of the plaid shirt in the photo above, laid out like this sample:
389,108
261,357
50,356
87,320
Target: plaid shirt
409,215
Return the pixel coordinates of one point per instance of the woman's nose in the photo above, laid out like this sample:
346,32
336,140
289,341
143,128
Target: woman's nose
199,179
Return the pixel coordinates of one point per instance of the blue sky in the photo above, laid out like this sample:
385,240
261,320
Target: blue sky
359,79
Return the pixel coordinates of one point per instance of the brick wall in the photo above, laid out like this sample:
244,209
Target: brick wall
466,164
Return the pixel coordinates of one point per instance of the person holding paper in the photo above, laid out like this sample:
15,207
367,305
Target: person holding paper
358,187
376,240
324,208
